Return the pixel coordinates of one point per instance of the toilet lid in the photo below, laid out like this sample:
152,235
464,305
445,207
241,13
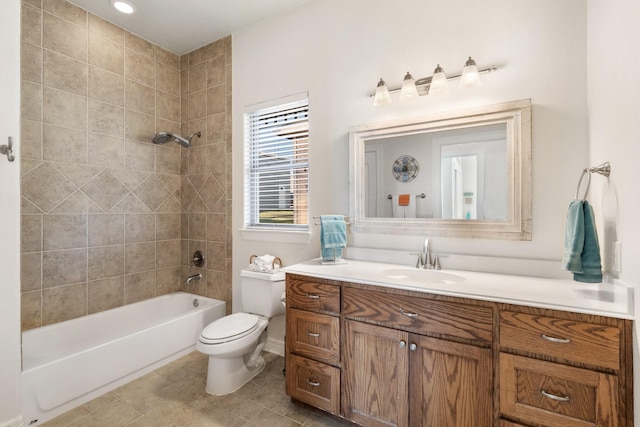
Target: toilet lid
229,328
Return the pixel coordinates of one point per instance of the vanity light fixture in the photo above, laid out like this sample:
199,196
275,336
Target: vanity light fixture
382,96
122,6
437,83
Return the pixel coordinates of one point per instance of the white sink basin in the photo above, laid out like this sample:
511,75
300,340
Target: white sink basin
415,275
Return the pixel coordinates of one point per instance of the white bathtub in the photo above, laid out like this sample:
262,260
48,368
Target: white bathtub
69,363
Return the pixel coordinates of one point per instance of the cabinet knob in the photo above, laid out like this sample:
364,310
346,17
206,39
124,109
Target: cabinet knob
413,346
403,344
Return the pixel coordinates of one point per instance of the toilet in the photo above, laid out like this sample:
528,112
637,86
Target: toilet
234,343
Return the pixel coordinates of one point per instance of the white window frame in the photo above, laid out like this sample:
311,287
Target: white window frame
253,229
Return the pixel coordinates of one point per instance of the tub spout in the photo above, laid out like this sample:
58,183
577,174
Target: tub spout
194,277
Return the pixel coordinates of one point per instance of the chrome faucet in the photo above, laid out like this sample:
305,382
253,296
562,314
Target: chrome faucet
194,277
424,258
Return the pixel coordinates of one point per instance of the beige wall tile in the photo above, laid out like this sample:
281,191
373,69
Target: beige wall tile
102,28
197,160
31,101
197,105
45,187
167,79
215,71
105,261
167,58
138,44
106,54
105,150
168,226
167,160
216,227
168,280
216,158
63,303
139,155
168,253
140,257
139,286
106,86
167,106
197,78
31,137
31,271
105,190
139,97
197,226
31,310
31,63
31,25
64,267
139,228
64,144
62,72
67,11
139,126
217,256
64,37
139,67
105,229
64,109
152,193
105,294
216,100
106,119
64,232
31,233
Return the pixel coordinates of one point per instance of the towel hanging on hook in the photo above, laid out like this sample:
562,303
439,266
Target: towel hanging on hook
603,169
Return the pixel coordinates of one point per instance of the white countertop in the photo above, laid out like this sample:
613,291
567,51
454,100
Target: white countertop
604,299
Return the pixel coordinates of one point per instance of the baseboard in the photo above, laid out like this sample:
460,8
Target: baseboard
274,346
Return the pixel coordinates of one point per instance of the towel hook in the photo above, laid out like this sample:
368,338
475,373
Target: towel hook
603,169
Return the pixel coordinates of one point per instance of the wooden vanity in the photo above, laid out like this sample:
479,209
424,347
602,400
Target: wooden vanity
383,356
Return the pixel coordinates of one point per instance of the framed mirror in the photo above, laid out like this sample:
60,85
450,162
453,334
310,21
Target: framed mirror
474,181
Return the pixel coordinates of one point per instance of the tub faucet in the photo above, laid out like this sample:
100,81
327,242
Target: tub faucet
194,277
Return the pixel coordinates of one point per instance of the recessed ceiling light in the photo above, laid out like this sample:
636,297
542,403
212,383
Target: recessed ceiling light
122,6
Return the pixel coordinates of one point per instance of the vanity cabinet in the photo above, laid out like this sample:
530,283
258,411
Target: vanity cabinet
411,378
564,369
313,342
383,356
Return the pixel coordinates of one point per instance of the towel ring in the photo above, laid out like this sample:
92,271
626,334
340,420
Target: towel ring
586,191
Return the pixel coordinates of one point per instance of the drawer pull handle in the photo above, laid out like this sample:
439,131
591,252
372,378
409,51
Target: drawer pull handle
313,383
556,340
408,313
313,296
313,334
554,397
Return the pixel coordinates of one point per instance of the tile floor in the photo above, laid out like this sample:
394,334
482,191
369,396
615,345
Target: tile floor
174,396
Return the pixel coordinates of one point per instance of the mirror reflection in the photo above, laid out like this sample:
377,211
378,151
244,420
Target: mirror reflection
460,174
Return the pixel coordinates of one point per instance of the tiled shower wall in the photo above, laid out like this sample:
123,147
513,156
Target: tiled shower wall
108,217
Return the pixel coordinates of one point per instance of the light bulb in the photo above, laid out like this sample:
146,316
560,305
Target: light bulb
123,6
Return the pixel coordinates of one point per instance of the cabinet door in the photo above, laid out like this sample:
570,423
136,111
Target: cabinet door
375,373
451,384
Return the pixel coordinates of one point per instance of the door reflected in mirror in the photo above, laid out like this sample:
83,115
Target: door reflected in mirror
473,180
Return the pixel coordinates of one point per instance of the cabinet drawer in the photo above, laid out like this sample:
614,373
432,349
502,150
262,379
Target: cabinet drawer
313,296
313,382
314,335
551,394
559,338
422,316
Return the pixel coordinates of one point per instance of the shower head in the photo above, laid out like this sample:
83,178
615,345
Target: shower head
164,137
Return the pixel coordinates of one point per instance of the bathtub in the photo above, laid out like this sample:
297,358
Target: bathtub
69,363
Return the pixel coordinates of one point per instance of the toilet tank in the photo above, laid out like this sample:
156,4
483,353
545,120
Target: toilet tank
261,292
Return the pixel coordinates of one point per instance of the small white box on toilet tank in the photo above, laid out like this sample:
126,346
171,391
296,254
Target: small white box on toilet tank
261,292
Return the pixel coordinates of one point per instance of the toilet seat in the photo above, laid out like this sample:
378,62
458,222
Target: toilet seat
229,328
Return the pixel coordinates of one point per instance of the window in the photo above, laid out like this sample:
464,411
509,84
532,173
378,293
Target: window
277,167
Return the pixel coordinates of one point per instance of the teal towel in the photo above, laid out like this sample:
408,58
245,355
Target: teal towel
581,248
333,236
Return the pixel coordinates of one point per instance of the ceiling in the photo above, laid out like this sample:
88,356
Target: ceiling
182,26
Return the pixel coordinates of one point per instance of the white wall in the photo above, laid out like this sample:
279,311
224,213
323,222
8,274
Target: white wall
10,216
614,135
337,50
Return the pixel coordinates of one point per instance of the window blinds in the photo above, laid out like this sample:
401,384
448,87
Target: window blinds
277,166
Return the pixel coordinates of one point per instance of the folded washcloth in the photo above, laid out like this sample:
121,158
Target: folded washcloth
333,236
581,248
403,200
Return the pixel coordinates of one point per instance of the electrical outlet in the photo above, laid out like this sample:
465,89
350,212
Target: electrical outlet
617,257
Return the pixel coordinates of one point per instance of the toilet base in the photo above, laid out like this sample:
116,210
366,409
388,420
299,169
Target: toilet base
225,376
